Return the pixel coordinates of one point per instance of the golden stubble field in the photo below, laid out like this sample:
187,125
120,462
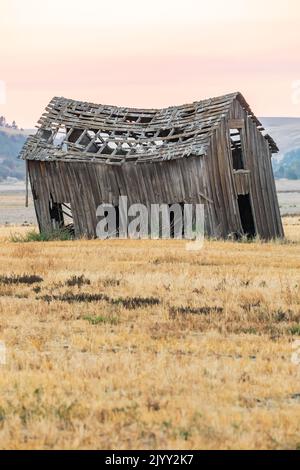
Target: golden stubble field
142,344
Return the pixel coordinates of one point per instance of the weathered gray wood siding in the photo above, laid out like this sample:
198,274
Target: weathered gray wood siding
261,179
242,181
86,185
221,182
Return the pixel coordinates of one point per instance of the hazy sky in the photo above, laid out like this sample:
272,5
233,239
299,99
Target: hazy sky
150,54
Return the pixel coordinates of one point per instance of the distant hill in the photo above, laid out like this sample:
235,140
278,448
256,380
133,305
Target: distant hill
11,142
289,166
285,131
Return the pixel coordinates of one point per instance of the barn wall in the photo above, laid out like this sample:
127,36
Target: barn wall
86,185
221,183
257,179
261,179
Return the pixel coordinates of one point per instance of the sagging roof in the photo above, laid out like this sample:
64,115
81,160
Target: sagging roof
79,131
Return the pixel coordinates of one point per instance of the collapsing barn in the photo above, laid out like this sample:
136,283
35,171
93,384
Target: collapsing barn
214,152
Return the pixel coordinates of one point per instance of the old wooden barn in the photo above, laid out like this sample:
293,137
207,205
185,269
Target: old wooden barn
214,152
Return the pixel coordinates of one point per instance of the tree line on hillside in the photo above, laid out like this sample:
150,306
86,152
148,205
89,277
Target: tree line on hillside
289,166
10,146
6,125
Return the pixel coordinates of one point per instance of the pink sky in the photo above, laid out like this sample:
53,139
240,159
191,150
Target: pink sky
149,54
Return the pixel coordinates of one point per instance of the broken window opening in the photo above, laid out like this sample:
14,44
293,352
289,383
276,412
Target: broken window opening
237,149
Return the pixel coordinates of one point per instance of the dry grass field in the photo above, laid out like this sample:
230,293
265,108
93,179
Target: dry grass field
142,344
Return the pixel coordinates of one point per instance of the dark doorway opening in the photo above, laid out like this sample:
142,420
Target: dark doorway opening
176,212
246,215
117,221
61,216
56,215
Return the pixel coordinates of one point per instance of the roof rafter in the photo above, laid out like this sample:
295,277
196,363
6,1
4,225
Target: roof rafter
81,131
